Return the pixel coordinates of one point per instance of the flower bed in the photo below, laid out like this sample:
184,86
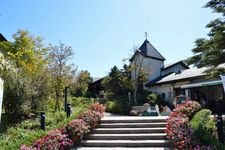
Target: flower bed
178,130
189,127
60,139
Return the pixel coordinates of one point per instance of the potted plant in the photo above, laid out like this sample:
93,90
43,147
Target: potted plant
152,98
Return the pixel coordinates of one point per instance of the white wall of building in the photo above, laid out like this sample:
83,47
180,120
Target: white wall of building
165,89
151,67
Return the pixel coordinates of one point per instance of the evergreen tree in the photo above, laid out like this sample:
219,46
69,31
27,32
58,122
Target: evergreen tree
210,52
118,82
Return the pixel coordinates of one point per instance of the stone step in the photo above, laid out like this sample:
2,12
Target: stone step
125,143
121,148
127,130
132,125
146,119
153,136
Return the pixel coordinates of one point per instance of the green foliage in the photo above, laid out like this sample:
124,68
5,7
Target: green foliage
117,86
26,81
55,118
18,136
118,82
29,124
142,97
204,127
82,82
65,137
76,101
61,72
48,105
28,131
111,106
217,6
210,52
202,122
118,107
152,98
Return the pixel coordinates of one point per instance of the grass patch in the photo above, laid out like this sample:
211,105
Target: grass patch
27,131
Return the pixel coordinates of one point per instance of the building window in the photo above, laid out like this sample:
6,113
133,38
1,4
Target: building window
163,95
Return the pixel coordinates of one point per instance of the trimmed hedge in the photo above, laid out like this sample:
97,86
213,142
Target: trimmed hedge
205,129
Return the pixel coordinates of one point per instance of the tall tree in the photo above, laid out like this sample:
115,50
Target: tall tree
61,71
138,74
26,79
83,80
118,82
210,52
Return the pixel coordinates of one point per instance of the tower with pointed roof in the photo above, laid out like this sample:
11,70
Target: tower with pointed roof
147,59
2,38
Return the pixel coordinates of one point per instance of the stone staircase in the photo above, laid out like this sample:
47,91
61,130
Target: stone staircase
127,133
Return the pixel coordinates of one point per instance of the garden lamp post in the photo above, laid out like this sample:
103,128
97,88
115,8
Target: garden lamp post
42,115
68,110
65,103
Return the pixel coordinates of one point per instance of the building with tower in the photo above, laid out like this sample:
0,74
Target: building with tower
171,80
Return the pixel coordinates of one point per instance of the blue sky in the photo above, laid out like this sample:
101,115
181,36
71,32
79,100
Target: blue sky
102,32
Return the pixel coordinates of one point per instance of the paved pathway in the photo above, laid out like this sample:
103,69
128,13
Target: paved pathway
118,132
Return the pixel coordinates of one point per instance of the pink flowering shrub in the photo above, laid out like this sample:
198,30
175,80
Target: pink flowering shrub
178,129
76,129
54,140
91,117
189,108
97,107
25,147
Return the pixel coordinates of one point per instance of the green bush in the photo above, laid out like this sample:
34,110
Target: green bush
76,101
17,136
114,106
152,99
29,124
142,97
202,122
48,105
110,106
55,118
204,127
